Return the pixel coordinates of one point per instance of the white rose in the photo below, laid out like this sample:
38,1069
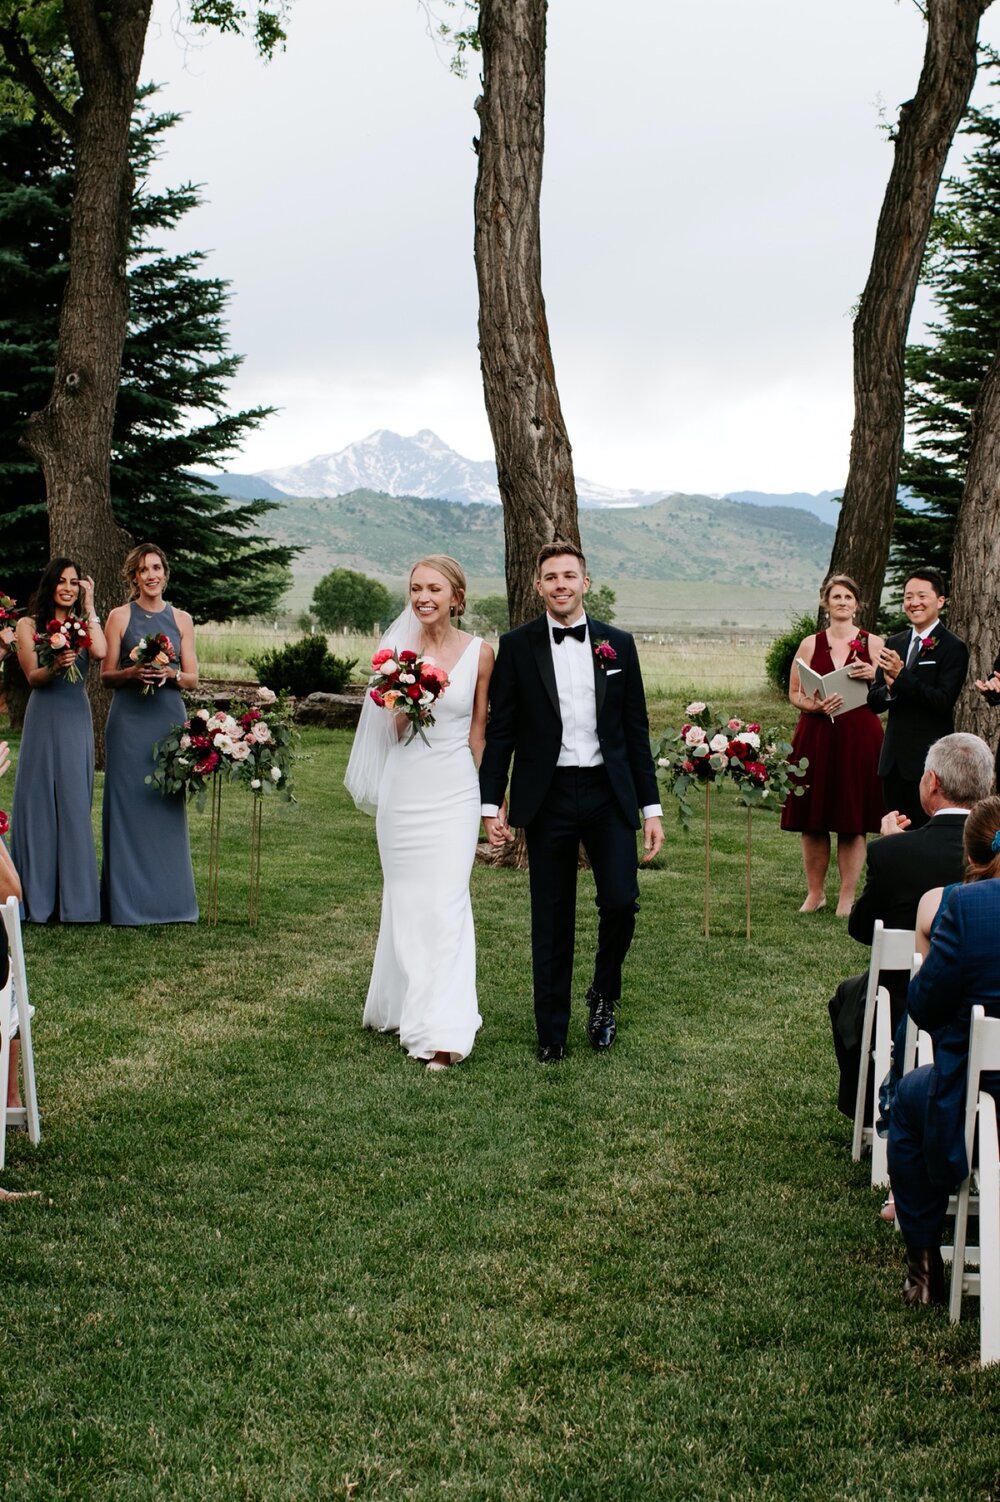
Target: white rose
240,751
696,707
407,678
223,745
750,738
185,741
663,762
718,742
275,774
260,733
388,667
255,783
266,695
695,736
229,725
201,714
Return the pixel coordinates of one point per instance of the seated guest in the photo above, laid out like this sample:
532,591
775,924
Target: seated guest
902,866
926,1125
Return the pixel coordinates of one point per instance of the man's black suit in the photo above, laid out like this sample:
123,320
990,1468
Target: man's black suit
901,868
560,807
918,713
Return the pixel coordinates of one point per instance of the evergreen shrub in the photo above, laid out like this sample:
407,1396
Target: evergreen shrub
781,653
303,667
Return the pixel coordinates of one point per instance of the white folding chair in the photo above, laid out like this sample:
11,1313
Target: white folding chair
989,1231
919,1048
28,1113
984,1055
892,949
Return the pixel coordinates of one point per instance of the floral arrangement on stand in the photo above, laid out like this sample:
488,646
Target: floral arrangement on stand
708,751
58,636
251,744
406,683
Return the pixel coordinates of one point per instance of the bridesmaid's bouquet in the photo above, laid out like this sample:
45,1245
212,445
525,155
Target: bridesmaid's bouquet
8,610
155,650
57,636
406,683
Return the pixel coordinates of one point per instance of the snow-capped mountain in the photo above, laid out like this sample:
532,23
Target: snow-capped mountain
422,465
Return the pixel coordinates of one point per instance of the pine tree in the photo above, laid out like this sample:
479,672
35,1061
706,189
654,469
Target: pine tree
944,377
176,363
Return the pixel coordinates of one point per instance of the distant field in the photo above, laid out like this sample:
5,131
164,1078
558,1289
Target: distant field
646,604
696,663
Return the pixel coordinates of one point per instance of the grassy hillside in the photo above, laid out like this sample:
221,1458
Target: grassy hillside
680,538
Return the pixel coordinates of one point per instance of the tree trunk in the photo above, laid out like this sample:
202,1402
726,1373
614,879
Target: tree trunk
927,125
71,437
534,459
974,612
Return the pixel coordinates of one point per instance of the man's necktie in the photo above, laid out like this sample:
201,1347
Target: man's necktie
914,651
578,633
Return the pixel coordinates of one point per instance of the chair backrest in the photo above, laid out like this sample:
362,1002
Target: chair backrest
892,949
984,1055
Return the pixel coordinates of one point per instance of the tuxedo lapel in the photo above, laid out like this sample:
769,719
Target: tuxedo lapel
600,673
542,649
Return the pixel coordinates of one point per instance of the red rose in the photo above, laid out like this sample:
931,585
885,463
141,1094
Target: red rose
414,691
687,766
374,694
4,822
211,761
407,657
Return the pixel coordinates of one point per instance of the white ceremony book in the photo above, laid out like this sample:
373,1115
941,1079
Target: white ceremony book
853,691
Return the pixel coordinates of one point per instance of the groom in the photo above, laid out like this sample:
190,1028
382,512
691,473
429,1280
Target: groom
566,701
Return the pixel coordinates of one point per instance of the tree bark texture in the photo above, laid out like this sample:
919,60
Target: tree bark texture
927,125
534,458
71,436
974,612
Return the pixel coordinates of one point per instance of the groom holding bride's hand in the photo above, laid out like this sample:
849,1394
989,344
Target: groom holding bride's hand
566,700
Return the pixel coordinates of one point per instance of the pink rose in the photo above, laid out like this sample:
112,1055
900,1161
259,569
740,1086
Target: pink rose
373,693
381,656
259,733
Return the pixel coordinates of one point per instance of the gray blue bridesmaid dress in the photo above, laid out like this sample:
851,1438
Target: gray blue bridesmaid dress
52,840
147,875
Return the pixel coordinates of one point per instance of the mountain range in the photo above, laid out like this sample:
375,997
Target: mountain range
423,465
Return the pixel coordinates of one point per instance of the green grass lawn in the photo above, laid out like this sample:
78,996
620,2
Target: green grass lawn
275,1259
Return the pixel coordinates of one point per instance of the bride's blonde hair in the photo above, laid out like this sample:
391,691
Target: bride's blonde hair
452,571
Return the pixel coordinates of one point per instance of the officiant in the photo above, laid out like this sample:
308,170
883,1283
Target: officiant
843,795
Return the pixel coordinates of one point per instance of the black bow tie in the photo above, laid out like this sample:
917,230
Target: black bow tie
578,633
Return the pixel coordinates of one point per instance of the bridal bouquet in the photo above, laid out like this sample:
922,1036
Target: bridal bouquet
406,683
155,650
59,635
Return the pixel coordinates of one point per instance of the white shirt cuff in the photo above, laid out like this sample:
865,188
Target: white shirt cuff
652,811
490,810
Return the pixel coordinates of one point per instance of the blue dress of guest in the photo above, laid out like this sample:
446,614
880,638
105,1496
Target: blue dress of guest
147,875
52,840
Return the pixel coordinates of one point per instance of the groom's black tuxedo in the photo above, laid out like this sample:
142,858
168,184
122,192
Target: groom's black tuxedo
918,713
525,722
558,807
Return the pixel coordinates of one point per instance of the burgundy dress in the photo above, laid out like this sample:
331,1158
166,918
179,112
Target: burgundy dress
843,794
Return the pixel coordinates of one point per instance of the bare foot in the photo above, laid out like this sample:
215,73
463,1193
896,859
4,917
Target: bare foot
812,905
439,1061
844,907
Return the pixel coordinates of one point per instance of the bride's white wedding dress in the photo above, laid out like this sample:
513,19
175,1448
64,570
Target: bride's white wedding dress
424,978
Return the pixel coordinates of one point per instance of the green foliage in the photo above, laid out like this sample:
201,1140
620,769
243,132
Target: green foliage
600,602
344,597
303,667
944,376
172,411
781,652
490,613
709,750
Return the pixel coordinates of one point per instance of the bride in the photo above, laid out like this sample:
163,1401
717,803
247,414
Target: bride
425,797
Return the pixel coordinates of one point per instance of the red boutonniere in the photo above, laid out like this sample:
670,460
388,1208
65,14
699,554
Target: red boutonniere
929,645
856,647
604,652
4,823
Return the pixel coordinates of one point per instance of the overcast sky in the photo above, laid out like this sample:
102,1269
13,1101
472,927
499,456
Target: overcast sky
713,176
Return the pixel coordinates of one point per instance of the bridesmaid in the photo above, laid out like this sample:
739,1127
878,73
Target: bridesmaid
52,841
147,876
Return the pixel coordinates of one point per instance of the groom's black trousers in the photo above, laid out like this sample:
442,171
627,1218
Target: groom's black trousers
579,807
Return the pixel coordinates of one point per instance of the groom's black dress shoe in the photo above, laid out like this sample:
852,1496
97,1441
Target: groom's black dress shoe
601,1025
924,1276
550,1053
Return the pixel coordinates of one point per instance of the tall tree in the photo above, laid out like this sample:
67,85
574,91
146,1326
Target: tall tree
927,124
975,605
946,372
171,409
534,458
70,437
